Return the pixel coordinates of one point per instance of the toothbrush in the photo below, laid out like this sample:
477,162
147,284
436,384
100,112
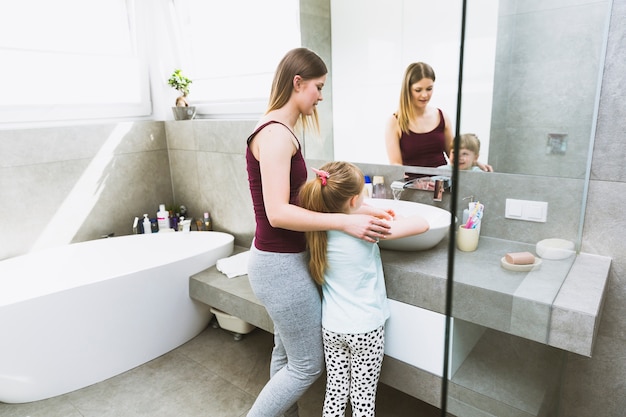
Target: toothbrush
474,216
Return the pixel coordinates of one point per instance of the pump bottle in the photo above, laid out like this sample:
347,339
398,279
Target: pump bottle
147,227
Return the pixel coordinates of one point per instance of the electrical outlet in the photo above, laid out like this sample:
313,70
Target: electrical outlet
532,211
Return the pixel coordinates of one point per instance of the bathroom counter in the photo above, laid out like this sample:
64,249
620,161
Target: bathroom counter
231,295
559,304
234,296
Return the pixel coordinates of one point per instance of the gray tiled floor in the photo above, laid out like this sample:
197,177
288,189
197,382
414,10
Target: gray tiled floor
212,375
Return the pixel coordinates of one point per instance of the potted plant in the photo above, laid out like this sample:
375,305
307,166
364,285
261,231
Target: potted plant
182,110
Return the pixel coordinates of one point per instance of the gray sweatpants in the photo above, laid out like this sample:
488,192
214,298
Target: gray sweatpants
283,284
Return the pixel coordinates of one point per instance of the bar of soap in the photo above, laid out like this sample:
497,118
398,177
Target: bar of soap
520,258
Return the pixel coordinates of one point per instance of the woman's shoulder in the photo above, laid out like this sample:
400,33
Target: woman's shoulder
274,126
441,112
393,117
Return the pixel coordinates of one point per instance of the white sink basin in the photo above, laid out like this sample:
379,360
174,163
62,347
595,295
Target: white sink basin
438,219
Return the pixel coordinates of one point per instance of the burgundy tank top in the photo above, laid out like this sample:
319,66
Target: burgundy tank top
424,149
266,237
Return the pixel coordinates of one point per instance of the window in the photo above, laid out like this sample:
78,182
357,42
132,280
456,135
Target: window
232,49
69,59
79,60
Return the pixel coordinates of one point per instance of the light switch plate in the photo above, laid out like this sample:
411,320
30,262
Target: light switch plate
528,210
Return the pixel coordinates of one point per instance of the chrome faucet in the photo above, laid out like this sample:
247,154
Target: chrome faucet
438,184
441,184
438,195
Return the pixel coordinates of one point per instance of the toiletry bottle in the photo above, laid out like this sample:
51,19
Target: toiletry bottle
467,210
378,190
146,224
368,186
163,218
174,219
207,221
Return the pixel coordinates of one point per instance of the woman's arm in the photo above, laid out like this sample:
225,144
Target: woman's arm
448,134
274,148
392,141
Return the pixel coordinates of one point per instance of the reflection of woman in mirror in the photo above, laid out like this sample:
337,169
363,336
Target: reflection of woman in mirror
418,134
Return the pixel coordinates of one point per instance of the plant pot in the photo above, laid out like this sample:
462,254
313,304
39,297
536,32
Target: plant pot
184,113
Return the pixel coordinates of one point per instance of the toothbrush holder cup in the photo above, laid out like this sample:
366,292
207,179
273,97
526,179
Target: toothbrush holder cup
467,239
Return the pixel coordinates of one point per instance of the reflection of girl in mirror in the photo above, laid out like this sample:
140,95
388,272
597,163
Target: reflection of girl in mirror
419,134
354,306
469,151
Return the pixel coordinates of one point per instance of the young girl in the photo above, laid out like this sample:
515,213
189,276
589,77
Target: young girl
354,299
469,151
277,267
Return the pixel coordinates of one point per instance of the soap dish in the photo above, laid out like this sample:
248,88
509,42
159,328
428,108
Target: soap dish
555,248
520,268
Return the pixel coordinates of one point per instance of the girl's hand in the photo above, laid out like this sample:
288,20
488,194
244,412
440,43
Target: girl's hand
381,213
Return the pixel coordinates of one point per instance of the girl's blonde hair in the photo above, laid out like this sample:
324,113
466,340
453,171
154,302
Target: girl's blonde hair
302,62
414,73
328,194
470,142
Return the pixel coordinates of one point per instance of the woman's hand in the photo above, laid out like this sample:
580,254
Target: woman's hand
366,227
485,167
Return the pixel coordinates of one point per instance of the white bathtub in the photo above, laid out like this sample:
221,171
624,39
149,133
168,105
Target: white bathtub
79,314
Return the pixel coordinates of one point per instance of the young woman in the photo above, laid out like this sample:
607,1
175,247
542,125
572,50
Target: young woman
419,134
277,266
354,302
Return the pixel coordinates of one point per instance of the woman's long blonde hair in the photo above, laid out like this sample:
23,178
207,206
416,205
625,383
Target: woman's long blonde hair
414,72
302,62
328,194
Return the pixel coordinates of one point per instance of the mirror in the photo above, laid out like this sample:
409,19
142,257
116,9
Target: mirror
529,99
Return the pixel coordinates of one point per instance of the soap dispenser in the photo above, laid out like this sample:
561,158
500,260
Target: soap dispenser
147,227
466,211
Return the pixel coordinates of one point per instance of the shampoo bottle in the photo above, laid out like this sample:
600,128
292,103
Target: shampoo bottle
368,186
163,218
207,221
147,227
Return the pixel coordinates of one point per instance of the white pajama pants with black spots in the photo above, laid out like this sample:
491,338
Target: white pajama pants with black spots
353,363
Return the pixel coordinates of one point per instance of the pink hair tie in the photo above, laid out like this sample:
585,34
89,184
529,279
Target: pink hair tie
322,174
